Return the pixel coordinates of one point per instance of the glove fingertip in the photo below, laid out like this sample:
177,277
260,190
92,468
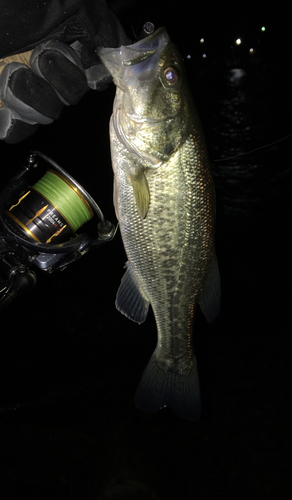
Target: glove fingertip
12,128
19,131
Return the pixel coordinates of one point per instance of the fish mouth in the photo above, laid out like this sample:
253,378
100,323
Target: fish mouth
138,59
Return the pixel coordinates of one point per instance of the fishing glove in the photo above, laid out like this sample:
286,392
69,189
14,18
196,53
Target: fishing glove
53,61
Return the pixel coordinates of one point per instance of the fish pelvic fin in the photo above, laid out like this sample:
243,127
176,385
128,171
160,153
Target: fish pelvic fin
130,299
210,300
141,191
177,388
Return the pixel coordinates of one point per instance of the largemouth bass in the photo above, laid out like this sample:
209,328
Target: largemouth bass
164,201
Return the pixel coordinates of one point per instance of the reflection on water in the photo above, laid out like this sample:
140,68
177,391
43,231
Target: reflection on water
236,128
233,130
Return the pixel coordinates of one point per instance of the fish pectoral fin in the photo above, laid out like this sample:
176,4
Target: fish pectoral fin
141,191
210,300
115,197
130,299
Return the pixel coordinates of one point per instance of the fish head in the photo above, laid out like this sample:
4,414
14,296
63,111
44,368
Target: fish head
152,99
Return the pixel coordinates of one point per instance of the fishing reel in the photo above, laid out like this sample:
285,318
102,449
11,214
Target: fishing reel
38,226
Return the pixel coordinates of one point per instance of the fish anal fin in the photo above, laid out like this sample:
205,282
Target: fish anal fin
141,191
130,299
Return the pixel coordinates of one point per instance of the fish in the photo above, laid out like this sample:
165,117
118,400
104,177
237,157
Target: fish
164,201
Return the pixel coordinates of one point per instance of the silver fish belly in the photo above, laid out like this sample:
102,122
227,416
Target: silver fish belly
164,199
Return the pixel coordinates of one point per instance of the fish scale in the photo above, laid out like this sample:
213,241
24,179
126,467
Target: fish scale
166,212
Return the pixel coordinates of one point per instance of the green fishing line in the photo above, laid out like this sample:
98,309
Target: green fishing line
65,197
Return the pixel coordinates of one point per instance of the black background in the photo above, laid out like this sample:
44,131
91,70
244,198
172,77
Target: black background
70,363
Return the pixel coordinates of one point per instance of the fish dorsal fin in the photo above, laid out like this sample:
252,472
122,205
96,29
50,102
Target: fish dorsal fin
210,300
141,191
130,299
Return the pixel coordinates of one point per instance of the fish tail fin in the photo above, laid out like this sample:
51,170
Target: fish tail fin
174,387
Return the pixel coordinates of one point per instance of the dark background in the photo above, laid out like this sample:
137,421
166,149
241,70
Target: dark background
70,363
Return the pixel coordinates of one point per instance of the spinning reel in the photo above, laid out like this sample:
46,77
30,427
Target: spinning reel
38,226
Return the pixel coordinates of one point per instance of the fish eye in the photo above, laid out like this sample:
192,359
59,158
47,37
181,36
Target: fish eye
171,75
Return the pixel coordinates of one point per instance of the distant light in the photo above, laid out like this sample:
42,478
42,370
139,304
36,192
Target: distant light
189,56
263,28
202,40
238,41
204,56
251,50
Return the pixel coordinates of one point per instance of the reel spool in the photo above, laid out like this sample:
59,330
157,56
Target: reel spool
52,210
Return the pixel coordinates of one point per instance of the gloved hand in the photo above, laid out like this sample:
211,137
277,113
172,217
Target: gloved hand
35,84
